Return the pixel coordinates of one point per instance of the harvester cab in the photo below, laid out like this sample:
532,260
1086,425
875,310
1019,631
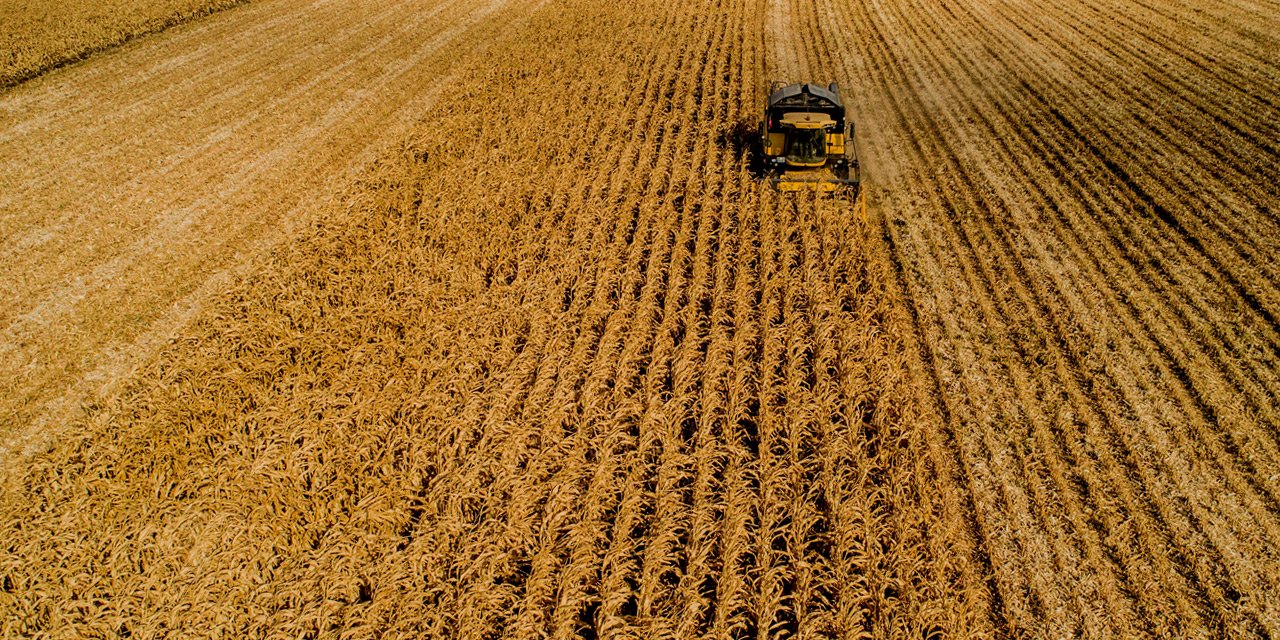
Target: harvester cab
806,142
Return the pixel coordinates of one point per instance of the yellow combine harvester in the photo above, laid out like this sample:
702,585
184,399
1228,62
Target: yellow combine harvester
806,142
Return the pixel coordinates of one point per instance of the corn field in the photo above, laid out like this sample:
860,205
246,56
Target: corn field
557,365
39,36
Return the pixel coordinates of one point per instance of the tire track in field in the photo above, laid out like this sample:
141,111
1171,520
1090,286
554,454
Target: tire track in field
145,179
783,63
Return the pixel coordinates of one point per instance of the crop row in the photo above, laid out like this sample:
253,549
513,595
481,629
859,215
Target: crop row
560,367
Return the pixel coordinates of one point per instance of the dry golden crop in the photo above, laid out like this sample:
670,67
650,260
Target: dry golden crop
156,175
559,367
38,35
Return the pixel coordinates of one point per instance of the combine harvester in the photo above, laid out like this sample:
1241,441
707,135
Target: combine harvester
807,144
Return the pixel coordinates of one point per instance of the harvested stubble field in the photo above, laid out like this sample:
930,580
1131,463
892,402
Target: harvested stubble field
560,367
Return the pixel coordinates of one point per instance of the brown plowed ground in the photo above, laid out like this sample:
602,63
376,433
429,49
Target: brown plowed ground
571,372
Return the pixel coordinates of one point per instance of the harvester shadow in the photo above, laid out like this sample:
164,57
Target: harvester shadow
742,139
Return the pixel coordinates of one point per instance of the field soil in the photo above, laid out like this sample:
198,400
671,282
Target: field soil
134,186
557,365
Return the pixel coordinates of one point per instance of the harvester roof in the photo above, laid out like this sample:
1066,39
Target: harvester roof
806,94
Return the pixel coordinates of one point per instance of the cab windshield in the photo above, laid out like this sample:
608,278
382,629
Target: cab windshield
807,146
